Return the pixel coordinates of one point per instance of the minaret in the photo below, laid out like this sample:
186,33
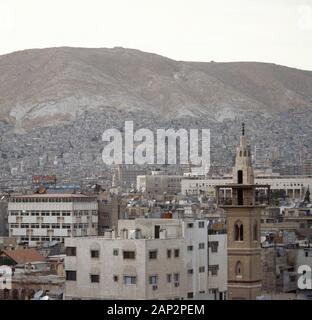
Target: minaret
243,170
243,208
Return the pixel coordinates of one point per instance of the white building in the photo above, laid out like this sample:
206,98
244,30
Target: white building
158,184
51,217
148,259
294,186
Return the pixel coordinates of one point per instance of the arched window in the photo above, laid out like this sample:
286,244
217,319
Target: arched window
241,232
238,269
255,231
238,231
240,176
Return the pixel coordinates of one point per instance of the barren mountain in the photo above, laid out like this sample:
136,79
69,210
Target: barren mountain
50,86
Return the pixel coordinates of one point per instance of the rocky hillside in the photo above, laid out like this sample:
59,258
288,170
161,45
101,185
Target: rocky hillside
52,86
56,103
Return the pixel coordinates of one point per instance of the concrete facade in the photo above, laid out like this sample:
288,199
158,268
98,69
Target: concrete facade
294,186
34,219
168,260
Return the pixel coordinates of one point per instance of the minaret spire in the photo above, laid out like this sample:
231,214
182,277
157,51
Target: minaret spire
243,171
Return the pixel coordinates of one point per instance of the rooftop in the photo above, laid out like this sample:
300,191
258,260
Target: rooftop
21,256
52,195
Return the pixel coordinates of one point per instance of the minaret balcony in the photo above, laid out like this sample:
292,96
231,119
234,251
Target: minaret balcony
242,195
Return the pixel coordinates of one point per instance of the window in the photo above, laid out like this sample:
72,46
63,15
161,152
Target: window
201,269
115,252
169,277
255,231
169,253
214,246
201,245
95,278
115,278
202,291
71,275
153,279
190,225
176,253
306,253
238,269
70,251
129,255
190,271
176,277
201,224
190,295
153,254
95,254
129,280
240,175
238,231
213,269
189,248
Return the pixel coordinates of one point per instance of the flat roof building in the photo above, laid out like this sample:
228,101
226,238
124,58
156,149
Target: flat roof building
39,218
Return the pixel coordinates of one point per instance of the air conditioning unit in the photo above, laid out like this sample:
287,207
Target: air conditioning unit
176,284
155,287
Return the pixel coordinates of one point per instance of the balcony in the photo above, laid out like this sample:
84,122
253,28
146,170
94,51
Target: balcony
240,195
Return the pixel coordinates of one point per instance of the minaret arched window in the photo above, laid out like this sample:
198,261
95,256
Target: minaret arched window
255,231
238,231
238,269
241,232
240,176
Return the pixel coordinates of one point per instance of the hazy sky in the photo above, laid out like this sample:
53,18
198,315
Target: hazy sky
277,31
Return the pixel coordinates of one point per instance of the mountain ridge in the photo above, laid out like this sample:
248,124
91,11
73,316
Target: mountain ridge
43,87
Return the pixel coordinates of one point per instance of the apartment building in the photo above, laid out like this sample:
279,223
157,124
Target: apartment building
148,259
206,259
38,218
158,184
